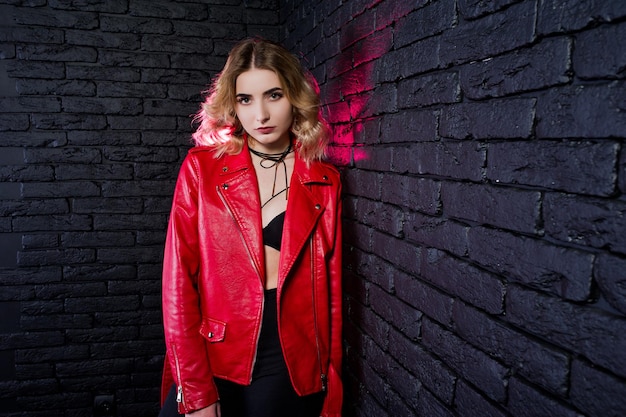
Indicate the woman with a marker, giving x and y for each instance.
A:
(252, 267)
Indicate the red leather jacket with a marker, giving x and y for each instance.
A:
(213, 279)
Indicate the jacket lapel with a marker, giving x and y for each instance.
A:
(239, 188)
(304, 207)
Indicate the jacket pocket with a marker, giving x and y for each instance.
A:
(213, 330)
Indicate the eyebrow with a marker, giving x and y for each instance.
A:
(265, 93)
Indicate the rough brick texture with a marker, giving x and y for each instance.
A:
(482, 146)
(94, 122)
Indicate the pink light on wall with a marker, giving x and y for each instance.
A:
(348, 92)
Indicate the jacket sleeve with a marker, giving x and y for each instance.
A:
(334, 396)
(186, 348)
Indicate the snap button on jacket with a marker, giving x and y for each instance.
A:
(214, 275)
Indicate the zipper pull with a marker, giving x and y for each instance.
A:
(324, 382)
(179, 395)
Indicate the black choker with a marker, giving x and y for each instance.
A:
(275, 158)
(269, 160)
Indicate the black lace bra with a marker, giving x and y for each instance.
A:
(273, 232)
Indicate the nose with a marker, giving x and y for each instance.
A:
(262, 114)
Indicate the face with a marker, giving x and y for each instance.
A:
(263, 110)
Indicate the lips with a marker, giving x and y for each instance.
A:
(265, 130)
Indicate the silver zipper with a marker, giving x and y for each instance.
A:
(256, 347)
(323, 377)
(179, 395)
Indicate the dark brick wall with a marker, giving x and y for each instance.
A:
(483, 147)
(95, 98)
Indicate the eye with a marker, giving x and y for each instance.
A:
(276, 95)
(243, 100)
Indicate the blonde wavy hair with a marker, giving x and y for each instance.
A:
(219, 126)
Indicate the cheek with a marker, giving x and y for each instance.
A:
(288, 113)
(242, 114)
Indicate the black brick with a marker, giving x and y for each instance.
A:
(105, 137)
(398, 252)
(586, 221)
(133, 59)
(104, 7)
(142, 122)
(34, 35)
(569, 15)
(542, 365)
(27, 104)
(100, 171)
(118, 41)
(55, 257)
(65, 189)
(169, 10)
(490, 35)
(64, 154)
(69, 121)
(120, 89)
(29, 139)
(56, 87)
(433, 19)
(435, 376)
(556, 269)
(470, 9)
(609, 274)
(496, 119)
(403, 63)
(524, 401)
(100, 105)
(468, 402)
(596, 392)
(405, 317)
(590, 62)
(583, 330)
(56, 53)
(582, 111)
(133, 205)
(430, 301)
(470, 363)
(52, 222)
(389, 218)
(57, 19)
(437, 232)
(22, 173)
(420, 194)
(460, 279)
(126, 24)
(454, 159)
(26, 69)
(544, 65)
(14, 122)
(409, 126)
(82, 72)
(501, 207)
(428, 90)
(590, 167)
(374, 270)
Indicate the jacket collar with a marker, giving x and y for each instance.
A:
(305, 205)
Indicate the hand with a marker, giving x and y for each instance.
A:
(211, 411)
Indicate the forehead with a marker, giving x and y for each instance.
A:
(256, 81)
